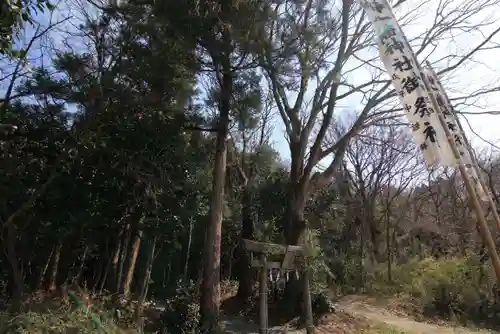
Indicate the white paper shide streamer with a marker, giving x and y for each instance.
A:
(402, 66)
(446, 109)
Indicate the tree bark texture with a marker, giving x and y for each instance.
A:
(143, 286)
(55, 266)
(122, 258)
(210, 285)
(16, 274)
(134, 252)
(244, 267)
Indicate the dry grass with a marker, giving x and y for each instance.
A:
(58, 313)
(332, 323)
(343, 323)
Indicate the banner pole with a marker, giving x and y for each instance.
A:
(414, 89)
(474, 161)
(474, 198)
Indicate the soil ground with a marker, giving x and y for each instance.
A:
(354, 315)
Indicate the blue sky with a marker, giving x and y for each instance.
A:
(418, 16)
(483, 72)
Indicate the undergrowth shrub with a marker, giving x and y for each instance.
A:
(63, 320)
(454, 288)
(321, 303)
(182, 313)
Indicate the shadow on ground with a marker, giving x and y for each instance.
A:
(243, 318)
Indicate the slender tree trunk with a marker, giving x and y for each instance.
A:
(105, 275)
(133, 259)
(17, 276)
(143, 287)
(361, 281)
(244, 267)
(188, 249)
(43, 272)
(308, 314)
(164, 280)
(210, 285)
(102, 267)
(113, 265)
(98, 273)
(388, 236)
(394, 246)
(55, 267)
(122, 258)
(169, 271)
(76, 278)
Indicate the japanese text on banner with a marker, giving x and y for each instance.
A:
(402, 66)
(446, 109)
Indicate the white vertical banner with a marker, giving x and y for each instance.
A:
(446, 109)
(404, 70)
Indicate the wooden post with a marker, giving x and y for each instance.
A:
(269, 257)
(485, 231)
(263, 295)
(308, 303)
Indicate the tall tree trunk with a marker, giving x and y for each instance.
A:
(294, 226)
(133, 259)
(244, 267)
(17, 275)
(210, 285)
(295, 223)
(55, 267)
(188, 249)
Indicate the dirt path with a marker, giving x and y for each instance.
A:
(376, 314)
(360, 309)
(240, 326)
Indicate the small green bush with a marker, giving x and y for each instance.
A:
(182, 314)
(455, 288)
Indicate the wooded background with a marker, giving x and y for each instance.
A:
(145, 147)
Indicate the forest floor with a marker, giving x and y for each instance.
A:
(356, 314)
(361, 307)
(353, 315)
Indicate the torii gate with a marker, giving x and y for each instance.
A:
(268, 256)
